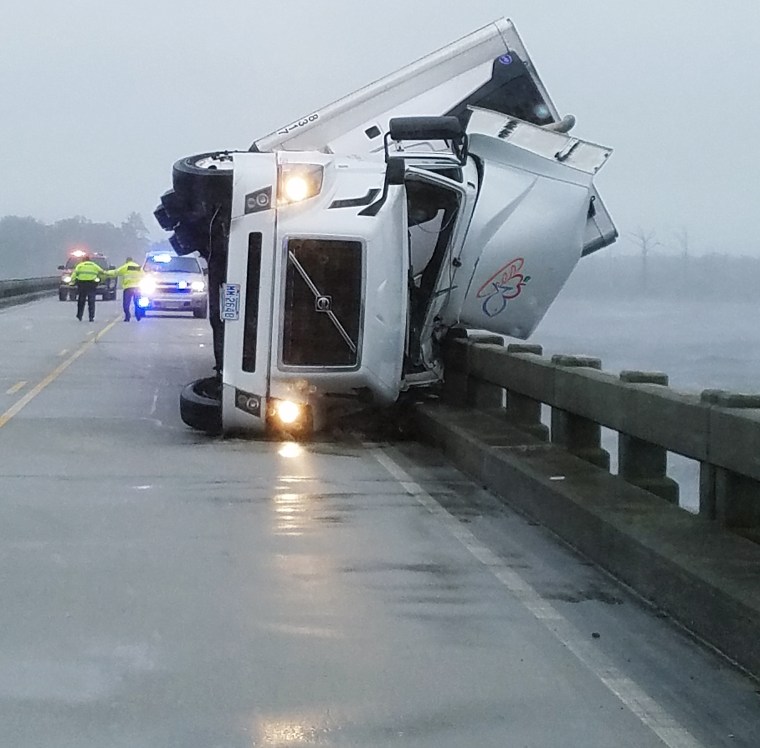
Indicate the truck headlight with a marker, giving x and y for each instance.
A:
(287, 412)
(147, 285)
(299, 182)
(198, 286)
(288, 417)
(66, 279)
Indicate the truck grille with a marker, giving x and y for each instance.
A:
(323, 303)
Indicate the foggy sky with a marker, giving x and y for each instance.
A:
(97, 100)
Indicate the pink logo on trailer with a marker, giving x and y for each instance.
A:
(504, 285)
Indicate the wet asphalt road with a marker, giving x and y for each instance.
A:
(163, 589)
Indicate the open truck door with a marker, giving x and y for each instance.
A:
(528, 229)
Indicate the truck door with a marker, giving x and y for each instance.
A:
(246, 298)
(439, 211)
(529, 225)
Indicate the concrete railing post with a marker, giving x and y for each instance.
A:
(733, 500)
(454, 389)
(480, 394)
(458, 386)
(639, 462)
(524, 411)
(577, 434)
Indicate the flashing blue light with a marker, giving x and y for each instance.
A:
(182, 284)
(143, 302)
(162, 258)
(506, 59)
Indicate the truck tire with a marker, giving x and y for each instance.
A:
(200, 183)
(63, 294)
(200, 405)
(200, 313)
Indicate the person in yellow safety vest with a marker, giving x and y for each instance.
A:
(86, 275)
(131, 274)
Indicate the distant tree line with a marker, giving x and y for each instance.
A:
(613, 275)
(32, 249)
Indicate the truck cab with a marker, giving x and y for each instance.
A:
(343, 247)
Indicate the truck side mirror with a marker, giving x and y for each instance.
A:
(61, 267)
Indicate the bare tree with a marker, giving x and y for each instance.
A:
(646, 241)
(682, 240)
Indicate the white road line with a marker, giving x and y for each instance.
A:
(64, 352)
(16, 387)
(155, 402)
(649, 712)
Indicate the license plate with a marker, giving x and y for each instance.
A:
(231, 301)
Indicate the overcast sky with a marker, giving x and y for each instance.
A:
(98, 99)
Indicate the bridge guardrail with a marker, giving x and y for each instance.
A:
(19, 291)
(704, 573)
(719, 429)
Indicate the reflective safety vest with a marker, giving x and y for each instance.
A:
(87, 270)
(130, 272)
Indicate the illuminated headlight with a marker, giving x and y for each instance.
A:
(147, 285)
(143, 302)
(198, 286)
(299, 182)
(66, 279)
(287, 412)
(286, 417)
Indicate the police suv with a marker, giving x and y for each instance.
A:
(173, 284)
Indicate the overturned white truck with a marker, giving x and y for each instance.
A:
(343, 247)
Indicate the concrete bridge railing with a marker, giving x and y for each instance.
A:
(721, 430)
(22, 290)
(703, 570)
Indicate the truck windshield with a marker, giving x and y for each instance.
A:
(173, 265)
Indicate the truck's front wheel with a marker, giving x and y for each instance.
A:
(200, 405)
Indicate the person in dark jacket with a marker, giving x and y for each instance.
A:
(86, 276)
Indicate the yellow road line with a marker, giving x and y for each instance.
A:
(16, 387)
(26, 399)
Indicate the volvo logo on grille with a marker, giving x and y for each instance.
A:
(323, 303)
